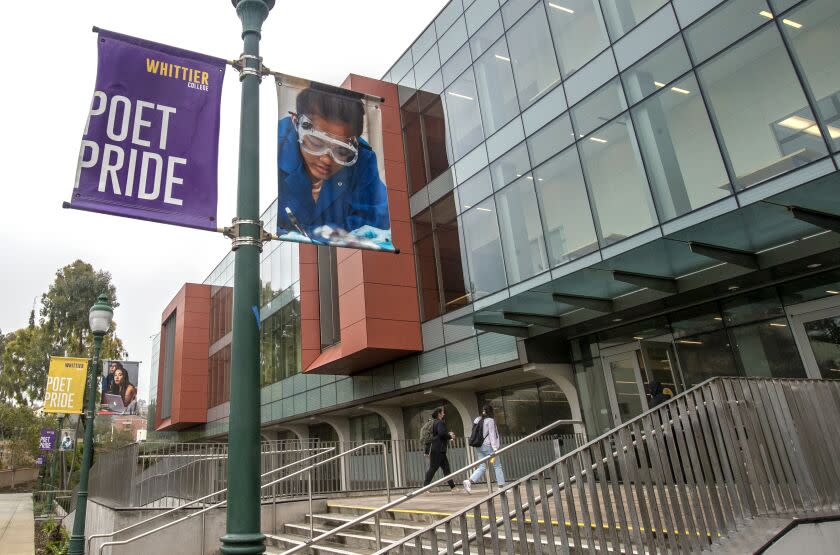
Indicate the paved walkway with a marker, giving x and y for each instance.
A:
(17, 525)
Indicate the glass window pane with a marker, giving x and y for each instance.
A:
(767, 350)
(657, 69)
(824, 340)
(567, 218)
(680, 151)
(617, 180)
(474, 190)
(496, 91)
(522, 237)
(453, 266)
(623, 15)
(427, 65)
(427, 278)
(484, 249)
(402, 66)
(578, 31)
(760, 109)
(810, 288)
(589, 378)
(415, 160)
(598, 108)
(463, 115)
(812, 30)
(514, 9)
(425, 41)
(456, 64)
(434, 134)
(534, 64)
(486, 36)
(447, 15)
(479, 12)
(452, 40)
(704, 356)
(725, 25)
(510, 166)
(757, 305)
(696, 320)
(551, 139)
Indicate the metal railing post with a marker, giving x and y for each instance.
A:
(387, 474)
(311, 513)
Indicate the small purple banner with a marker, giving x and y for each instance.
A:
(151, 142)
(47, 441)
(39, 460)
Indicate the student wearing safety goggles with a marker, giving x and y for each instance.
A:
(329, 182)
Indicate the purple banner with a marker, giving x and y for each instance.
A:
(47, 441)
(151, 142)
(40, 459)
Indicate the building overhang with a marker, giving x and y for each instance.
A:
(758, 237)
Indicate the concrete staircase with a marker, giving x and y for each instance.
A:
(396, 524)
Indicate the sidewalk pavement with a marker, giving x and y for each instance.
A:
(17, 524)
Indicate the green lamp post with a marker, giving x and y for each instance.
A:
(243, 535)
(100, 318)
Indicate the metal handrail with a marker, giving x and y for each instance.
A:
(648, 432)
(321, 452)
(375, 513)
(308, 470)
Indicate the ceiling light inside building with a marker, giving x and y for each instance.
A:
(503, 58)
(689, 342)
(483, 209)
(778, 325)
(458, 95)
(766, 14)
(808, 126)
(679, 90)
(832, 292)
(792, 23)
(561, 8)
(597, 140)
(814, 265)
(658, 84)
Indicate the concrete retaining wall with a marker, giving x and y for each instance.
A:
(10, 478)
(195, 536)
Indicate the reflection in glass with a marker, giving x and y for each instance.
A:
(651, 73)
(617, 181)
(534, 64)
(496, 91)
(812, 32)
(453, 265)
(623, 15)
(767, 350)
(589, 378)
(567, 219)
(704, 356)
(484, 249)
(486, 36)
(463, 115)
(512, 165)
(762, 304)
(578, 31)
(680, 151)
(519, 223)
(824, 338)
(598, 108)
(622, 372)
(759, 108)
(427, 277)
(724, 25)
(550, 140)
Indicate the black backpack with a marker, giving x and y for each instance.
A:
(477, 436)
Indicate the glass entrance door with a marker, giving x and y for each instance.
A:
(627, 394)
(816, 329)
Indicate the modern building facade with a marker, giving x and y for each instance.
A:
(589, 196)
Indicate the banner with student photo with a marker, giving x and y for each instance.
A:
(119, 386)
(331, 181)
(151, 141)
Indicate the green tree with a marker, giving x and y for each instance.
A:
(20, 429)
(63, 330)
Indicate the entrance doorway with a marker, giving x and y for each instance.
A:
(630, 368)
(816, 330)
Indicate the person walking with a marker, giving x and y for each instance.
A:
(490, 445)
(437, 450)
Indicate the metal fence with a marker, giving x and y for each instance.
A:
(675, 479)
(168, 475)
(51, 503)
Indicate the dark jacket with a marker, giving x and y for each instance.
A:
(352, 198)
(657, 396)
(441, 437)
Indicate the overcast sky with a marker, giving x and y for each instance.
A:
(47, 84)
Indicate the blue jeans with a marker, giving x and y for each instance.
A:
(482, 452)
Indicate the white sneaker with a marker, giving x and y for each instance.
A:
(467, 486)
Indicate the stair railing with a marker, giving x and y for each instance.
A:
(376, 513)
(308, 470)
(676, 478)
(320, 453)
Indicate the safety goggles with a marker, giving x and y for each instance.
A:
(317, 143)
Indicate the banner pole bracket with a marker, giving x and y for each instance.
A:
(241, 66)
(238, 240)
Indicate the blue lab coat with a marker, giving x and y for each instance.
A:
(355, 196)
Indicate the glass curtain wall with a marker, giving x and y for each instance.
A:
(522, 409)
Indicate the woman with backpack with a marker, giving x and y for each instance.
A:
(485, 439)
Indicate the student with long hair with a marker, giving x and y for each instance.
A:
(491, 444)
(121, 385)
